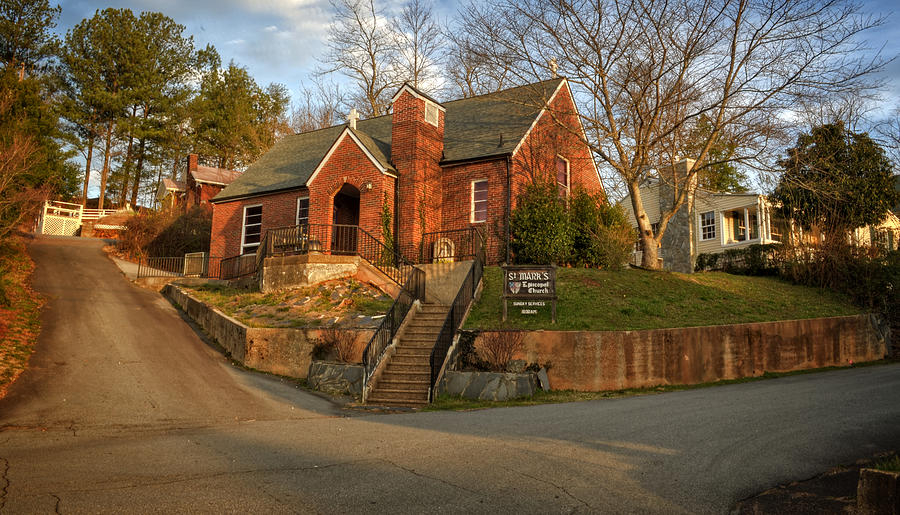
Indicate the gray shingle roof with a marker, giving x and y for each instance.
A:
(474, 128)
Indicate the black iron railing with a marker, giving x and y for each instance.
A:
(461, 303)
(347, 240)
(235, 267)
(413, 290)
(445, 246)
(184, 266)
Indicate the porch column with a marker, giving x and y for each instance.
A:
(746, 224)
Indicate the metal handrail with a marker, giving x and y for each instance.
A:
(413, 290)
(452, 245)
(335, 239)
(461, 303)
(235, 267)
(175, 267)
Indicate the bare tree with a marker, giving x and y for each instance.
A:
(417, 42)
(361, 47)
(475, 63)
(888, 132)
(319, 106)
(643, 72)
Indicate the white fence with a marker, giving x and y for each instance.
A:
(65, 218)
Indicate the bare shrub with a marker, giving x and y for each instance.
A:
(499, 347)
(168, 232)
(341, 341)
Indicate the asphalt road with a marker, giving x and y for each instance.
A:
(126, 409)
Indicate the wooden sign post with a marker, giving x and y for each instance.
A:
(529, 287)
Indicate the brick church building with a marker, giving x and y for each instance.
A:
(434, 166)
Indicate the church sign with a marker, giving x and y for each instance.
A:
(528, 288)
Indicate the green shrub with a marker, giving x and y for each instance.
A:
(540, 229)
(756, 260)
(587, 232)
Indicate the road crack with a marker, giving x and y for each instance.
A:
(554, 485)
(426, 476)
(56, 506)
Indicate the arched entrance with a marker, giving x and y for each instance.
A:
(345, 218)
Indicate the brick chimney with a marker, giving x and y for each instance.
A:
(417, 145)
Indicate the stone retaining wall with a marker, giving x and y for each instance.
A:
(305, 270)
(487, 386)
(284, 352)
(613, 360)
(336, 378)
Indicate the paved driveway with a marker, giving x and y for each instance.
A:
(125, 409)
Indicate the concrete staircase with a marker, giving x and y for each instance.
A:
(407, 375)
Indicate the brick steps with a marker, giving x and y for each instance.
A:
(407, 376)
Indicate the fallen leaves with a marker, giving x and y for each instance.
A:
(20, 317)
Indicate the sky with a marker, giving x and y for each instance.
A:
(278, 41)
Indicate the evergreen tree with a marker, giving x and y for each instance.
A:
(235, 121)
(836, 180)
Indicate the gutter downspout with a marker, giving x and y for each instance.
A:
(396, 218)
(508, 204)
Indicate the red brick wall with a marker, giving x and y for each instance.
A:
(536, 157)
(535, 160)
(279, 210)
(416, 149)
(348, 164)
(457, 198)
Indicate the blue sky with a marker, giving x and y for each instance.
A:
(276, 40)
(279, 40)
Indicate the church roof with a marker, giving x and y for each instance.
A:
(484, 126)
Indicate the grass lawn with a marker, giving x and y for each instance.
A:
(20, 310)
(346, 303)
(599, 300)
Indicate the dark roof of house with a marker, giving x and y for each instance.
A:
(474, 128)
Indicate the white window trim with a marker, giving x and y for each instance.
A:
(297, 217)
(700, 225)
(244, 228)
(568, 175)
(472, 201)
(729, 226)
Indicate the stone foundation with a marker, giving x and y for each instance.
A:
(336, 378)
(286, 352)
(279, 273)
(487, 386)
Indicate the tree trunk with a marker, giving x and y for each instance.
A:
(139, 168)
(650, 254)
(105, 173)
(87, 170)
(123, 196)
(650, 251)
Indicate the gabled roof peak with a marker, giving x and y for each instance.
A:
(417, 94)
